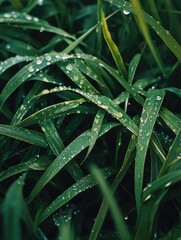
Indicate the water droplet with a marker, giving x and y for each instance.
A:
(28, 17)
(148, 197)
(158, 98)
(31, 69)
(45, 91)
(48, 57)
(7, 15)
(39, 61)
(126, 12)
(35, 19)
(69, 67)
(168, 184)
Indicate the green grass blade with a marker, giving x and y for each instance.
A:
(22, 20)
(149, 116)
(37, 163)
(51, 112)
(76, 76)
(80, 186)
(140, 17)
(171, 43)
(114, 208)
(96, 127)
(57, 146)
(113, 48)
(22, 134)
(104, 205)
(15, 210)
(174, 154)
(27, 104)
(5, 65)
(73, 149)
(172, 121)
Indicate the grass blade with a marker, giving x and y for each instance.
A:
(113, 48)
(81, 185)
(22, 134)
(74, 148)
(149, 116)
(115, 210)
(171, 43)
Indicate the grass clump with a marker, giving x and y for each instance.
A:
(90, 137)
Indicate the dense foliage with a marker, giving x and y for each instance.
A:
(90, 138)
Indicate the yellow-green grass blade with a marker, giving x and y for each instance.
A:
(118, 218)
(80, 186)
(171, 43)
(113, 47)
(22, 134)
(72, 150)
(148, 119)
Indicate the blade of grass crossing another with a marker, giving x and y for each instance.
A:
(98, 120)
(80, 186)
(148, 119)
(171, 43)
(137, 8)
(121, 227)
(174, 154)
(55, 142)
(104, 205)
(72, 150)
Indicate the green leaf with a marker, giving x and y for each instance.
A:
(174, 154)
(171, 43)
(29, 136)
(80, 186)
(37, 163)
(15, 210)
(117, 215)
(23, 20)
(72, 150)
(52, 112)
(148, 119)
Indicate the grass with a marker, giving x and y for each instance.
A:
(90, 138)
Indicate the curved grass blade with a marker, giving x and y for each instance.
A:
(52, 112)
(171, 43)
(140, 17)
(15, 210)
(148, 119)
(80, 186)
(22, 20)
(105, 103)
(98, 120)
(172, 121)
(57, 146)
(22, 134)
(174, 154)
(104, 205)
(113, 48)
(28, 71)
(27, 104)
(76, 76)
(118, 218)
(36, 163)
(72, 150)
(12, 61)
